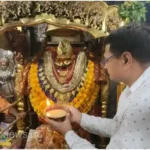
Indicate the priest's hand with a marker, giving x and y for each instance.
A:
(17, 114)
(61, 127)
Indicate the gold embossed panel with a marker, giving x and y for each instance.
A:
(97, 18)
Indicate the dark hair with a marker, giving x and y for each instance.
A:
(131, 38)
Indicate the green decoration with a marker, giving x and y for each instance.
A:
(133, 12)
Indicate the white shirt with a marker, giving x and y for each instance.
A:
(130, 128)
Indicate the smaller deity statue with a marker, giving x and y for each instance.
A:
(7, 75)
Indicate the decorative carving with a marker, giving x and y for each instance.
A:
(96, 16)
(87, 16)
(79, 11)
(113, 20)
(40, 31)
(15, 10)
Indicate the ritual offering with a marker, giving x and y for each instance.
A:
(56, 112)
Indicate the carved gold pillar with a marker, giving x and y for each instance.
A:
(104, 98)
(19, 92)
(104, 88)
(120, 88)
(104, 102)
(20, 123)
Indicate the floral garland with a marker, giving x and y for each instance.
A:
(83, 101)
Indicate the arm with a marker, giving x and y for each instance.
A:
(13, 111)
(101, 126)
(97, 125)
(90, 123)
(75, 142)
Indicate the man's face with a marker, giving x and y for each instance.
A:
(114, 66)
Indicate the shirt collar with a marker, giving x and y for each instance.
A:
(140, 80)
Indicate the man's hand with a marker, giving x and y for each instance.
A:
(61, 127)
(75, 115)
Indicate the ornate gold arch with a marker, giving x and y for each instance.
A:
(97, 18)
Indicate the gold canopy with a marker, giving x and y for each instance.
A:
(96, 18)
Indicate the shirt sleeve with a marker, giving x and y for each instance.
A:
(97, 125)
(75, 142)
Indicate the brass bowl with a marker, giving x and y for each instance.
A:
(56, 114)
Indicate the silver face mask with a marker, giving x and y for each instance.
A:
(3, 64)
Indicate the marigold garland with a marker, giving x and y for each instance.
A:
(84, 100)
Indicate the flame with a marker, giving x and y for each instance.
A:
(122, 23)
(103, 27)
(48, 102)
(19, 28)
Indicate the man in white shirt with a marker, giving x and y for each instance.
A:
(127, 59)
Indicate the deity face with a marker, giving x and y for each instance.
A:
(3, 64)
(64, 62)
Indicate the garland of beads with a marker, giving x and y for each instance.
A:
(44, 83)
(83, 101)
